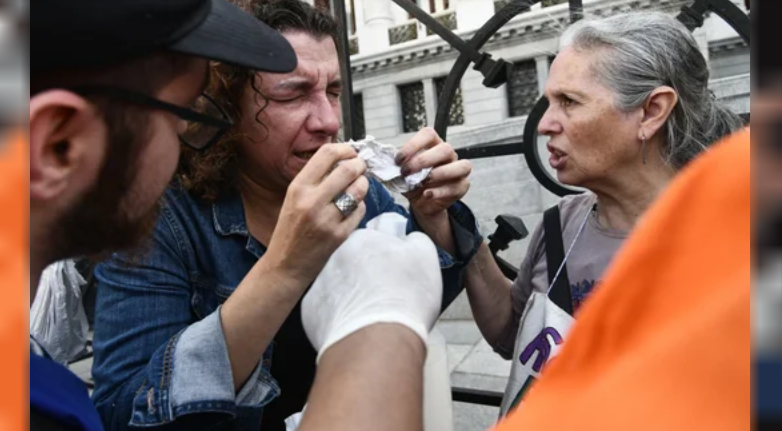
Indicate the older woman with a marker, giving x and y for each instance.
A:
(630, 107)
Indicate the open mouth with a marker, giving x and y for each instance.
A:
(557, 158)
(306, 155)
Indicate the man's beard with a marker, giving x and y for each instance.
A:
(98, 226)
(99, 223)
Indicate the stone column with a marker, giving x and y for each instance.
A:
(543, 67)
(373, 35)
(472, 14)
(430, 95)
(702, 37)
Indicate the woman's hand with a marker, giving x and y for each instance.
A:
(310, 226)
(447, 183)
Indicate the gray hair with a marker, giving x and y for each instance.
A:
(641, 51)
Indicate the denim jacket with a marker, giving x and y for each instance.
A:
(161, 359)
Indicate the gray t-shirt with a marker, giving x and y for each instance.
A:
(591, 255)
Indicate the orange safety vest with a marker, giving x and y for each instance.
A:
(14, 280)
(664, 343)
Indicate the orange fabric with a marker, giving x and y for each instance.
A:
(14, 273)
(664, 344)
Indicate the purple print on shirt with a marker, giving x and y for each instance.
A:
(580, 291)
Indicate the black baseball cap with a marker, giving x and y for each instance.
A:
(73, 34)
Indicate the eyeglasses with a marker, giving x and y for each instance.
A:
(206, 121)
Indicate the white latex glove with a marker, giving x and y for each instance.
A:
(376, 276)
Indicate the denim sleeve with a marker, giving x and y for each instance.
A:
(466, 236)
(154, 367)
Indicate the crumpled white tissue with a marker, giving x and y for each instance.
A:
(381, 164)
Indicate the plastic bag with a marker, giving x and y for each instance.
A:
(57, 318)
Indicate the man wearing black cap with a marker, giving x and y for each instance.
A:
(115, 86)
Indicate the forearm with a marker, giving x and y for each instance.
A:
(254, 313)
(490, 295)
(371, 380)
(438, 228)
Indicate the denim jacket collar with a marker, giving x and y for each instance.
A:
(228, 216)
(229, 219)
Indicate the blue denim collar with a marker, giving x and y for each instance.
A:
(228, 216)
(229, 219)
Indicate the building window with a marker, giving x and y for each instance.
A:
(409, 15)
(359, 126)
(403, 33)
(412, 29)
(431, 6)
(447, 19)
(352, 15)
(439, 5)
(456, 113)
(353, 46)
(413, 106)
(523, 92)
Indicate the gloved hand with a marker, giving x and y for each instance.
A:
(376, 276)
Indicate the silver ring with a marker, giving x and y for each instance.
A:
(346, 204)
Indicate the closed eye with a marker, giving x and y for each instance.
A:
(284, 99)
(335, 88)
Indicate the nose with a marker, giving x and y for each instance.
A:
(549, 125)
(324, 118)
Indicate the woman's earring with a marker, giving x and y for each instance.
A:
(643, 149)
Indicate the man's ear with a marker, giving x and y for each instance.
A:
(67, 143)
(657, 110)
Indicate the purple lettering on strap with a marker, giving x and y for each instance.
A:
(542, 346)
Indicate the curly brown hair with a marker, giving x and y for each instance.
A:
(211, 173)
